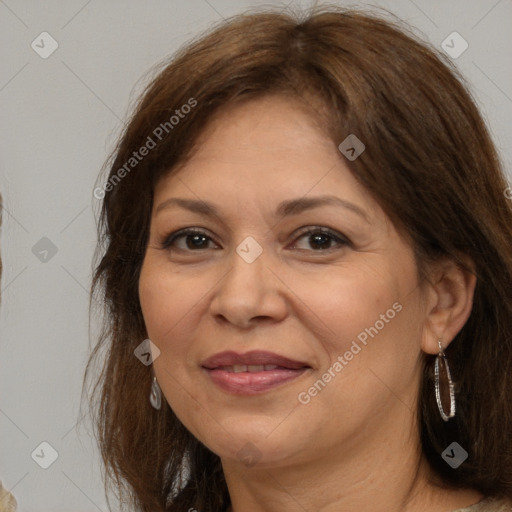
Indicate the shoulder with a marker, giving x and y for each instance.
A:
(489, 505)
(7, 501)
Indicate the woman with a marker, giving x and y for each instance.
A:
(307, 268)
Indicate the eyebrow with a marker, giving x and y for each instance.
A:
(284, 209)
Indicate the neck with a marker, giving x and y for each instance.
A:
(379, 473)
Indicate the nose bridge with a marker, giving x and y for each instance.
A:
(249, 289)
(249, 250)
(246, 277)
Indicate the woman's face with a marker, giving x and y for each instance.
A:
(328, 284)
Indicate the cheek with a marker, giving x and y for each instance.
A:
(345, 301)
(369, 315)
(166, 299)
(373, 327)
(171, 303)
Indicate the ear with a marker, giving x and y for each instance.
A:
(449, 300)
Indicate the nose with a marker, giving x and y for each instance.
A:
(250, 293)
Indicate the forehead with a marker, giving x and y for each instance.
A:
(270, 122)
(262, 146)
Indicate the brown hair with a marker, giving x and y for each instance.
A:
(429, 162)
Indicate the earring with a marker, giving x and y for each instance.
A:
(155, 396)
(442, 357)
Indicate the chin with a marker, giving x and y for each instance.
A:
(254, 444)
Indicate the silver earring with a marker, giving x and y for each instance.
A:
(442, 357)
(155, 396)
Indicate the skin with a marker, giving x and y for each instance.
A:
(355, 445)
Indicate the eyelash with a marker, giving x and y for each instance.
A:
(167, 241)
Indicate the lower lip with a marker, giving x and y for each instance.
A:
(252, 383)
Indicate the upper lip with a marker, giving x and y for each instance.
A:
(254, 357)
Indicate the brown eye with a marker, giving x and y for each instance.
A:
(321, 239)
(193, 240)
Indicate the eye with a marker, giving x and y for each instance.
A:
(318, 238)
(321, 239)
(194, 239)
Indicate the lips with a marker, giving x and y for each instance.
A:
(250, 361)
(251, 373)
(240, 368)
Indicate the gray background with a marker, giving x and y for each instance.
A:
(59, 119)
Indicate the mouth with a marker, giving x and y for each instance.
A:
(251, 373)
(252, 368)
(251, 361)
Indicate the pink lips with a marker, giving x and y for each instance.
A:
(253, 372)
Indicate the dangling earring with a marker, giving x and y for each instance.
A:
(155, 396)
(442, 356)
